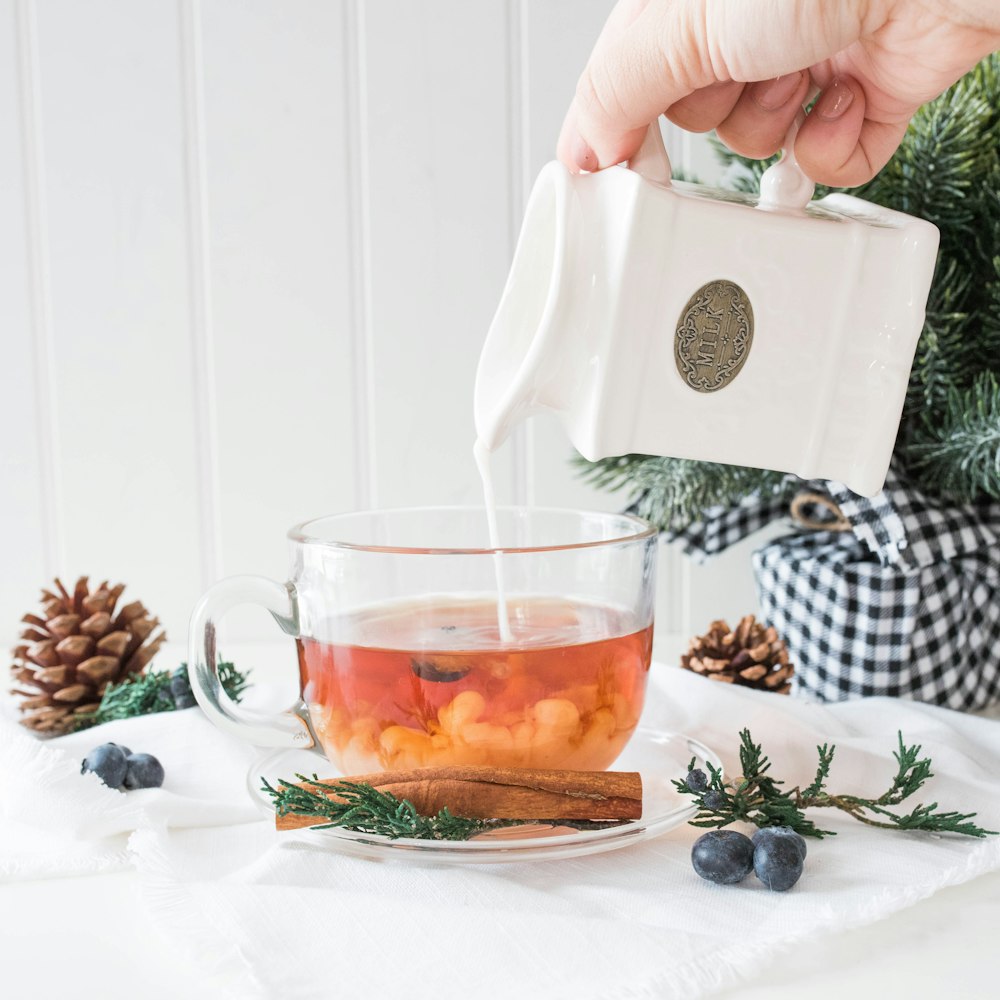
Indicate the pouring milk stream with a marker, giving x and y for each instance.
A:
(482, 456)
(660, 317)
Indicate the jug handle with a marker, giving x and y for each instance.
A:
(784, 185)
(651, 161)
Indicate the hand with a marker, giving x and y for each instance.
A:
(744, 67)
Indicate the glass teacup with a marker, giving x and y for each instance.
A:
(405, 658)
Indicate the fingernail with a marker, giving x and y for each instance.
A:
(582, 155)
(770, 95)
(834, 100)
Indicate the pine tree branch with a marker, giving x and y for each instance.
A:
(956, 454)
(670, 493)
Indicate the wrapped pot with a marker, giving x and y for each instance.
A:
(895, 595)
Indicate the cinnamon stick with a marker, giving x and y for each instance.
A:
(499, 793)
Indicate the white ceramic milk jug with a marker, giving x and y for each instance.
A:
(667, 318)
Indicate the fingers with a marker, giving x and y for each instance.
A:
(757, 124)
(629, 81)
(837, 145)
(573, 149)
(706, 108)
(655, 53)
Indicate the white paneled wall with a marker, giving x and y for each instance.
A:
(248, 253)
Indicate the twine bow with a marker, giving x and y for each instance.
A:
(804, 500)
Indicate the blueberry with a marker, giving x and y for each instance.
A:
(180, 683)
(180, 689)
(781, 831)
(124, 749)
(143, 771)
(777, 862)
(723, 856)
(445, 671)
(697, 780)
(713, 800)
(108, 762)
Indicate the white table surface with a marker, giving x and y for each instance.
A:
(90, 937)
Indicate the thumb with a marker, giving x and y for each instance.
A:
(666, 50)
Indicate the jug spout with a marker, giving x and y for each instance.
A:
(672, 319)
(516, 375)
(550, 344)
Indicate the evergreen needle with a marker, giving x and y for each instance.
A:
(149, 692)
(756, 797)
(368, 810)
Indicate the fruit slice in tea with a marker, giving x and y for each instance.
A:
(427, 683)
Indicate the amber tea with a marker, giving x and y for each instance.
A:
(431, 682)
(406, 657)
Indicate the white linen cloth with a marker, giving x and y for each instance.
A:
(281, 916)
(55, 821)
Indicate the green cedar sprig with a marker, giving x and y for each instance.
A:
(368, 810)
(149, 692)
(672, 492)
(756, 797)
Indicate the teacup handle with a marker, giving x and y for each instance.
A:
(286, 729)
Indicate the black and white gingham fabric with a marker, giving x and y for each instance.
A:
(725, 526)
(907, 604)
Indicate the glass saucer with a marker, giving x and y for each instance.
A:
(659, 757)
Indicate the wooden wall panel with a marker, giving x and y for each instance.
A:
(281, 330)
(113, 178)
(436, 120)
(29, 536)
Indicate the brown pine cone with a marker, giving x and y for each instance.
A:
(74, 649)
(750, 655)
